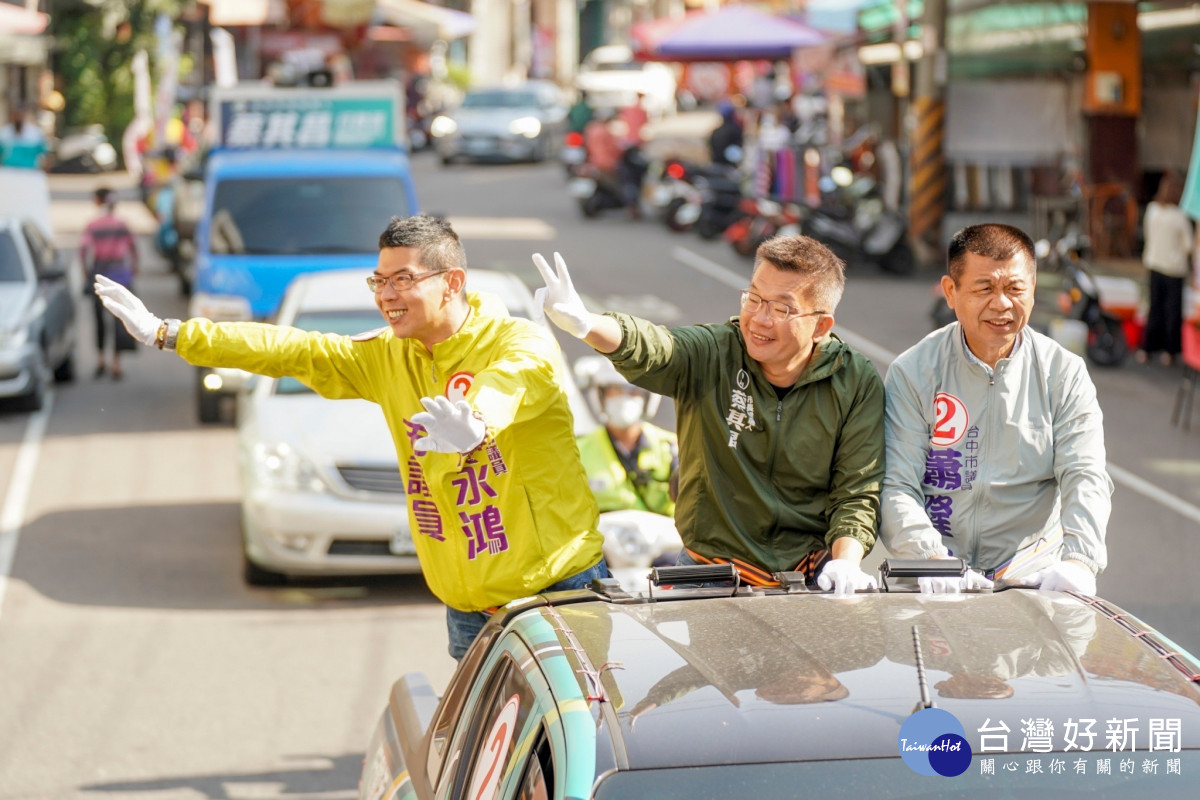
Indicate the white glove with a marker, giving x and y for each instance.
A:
(972, 580)
(124, 305)
(559, 300)
(844, 577)
(1067, 576)
(449, 427)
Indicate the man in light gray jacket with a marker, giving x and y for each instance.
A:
(995, 439)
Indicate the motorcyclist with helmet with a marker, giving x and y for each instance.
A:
(630, 463)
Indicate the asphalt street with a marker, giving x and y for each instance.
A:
(135, 664)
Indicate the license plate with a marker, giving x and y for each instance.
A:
(402, 543)
(582, 187)
(662, 195)
(481, 145)
(573, 155)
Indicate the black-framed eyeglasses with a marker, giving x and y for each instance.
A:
(400, 280)
(781, 312)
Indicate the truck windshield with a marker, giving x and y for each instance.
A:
(303, 216)
(500, 98)
(10, 261)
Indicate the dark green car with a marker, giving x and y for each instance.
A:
(742, 692)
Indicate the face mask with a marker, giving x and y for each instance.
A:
(624, 411)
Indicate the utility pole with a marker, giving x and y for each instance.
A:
(927, 188)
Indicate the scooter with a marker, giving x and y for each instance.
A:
(596, 191)
(721, 197)
(573, 153)
(86, 150)
(635, 541)
(862, 229)
(763, 218)
(1079, 299)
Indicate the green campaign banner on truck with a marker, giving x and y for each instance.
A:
(358, 115)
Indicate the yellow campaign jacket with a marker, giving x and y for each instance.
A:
(504, 522)
(615, 490)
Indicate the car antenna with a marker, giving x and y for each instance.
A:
(925, 701)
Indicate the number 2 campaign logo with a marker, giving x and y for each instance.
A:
(950, 420)
(933, 742)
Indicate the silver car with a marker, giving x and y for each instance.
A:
(322, 493)
(519, 123)
(37, 314)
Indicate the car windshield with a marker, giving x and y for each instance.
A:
(301, 216)
(10, 260)
(500, 98)
(345, 322)
(1096, 775)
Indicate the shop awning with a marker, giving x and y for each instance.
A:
(425, 19)
(15, 19)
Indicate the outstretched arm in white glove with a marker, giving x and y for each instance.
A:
(125, 306)
(1067, 576)
(449, 427)
(564, 307)
(972, 580)
(843, 573)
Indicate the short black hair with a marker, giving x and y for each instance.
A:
(104, 196)
(437, 242)
(826, 272)
(990, 240)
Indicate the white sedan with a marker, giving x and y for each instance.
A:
(322, 494)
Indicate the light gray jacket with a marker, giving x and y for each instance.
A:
(1007, 469)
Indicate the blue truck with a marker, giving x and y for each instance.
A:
(298, 180)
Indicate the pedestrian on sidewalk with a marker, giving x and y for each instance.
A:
(1169, 242)
(108, 248)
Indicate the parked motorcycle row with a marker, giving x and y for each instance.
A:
(850, 218)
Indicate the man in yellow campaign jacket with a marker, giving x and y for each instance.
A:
(498, 501)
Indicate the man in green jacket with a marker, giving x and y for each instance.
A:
(780, 422)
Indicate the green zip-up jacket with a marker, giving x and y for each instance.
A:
(763, 479)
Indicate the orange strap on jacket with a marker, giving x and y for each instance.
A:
(810, 565)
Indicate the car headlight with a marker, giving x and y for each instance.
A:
(279, 466)
(220, 307)
(12, 339)
(442, 126)
(529, 127)
(626, 545)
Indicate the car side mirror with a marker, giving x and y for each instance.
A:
(415, 703)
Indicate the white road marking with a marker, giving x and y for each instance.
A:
(1155, 493)
(504, 228)
(884, 356)
(12, 515)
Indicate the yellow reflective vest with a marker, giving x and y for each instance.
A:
(614, 487)
(497, 524)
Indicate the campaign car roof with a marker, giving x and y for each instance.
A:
(771, 677)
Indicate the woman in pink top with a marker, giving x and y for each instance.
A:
(108, 248)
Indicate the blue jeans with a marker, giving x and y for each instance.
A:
(464, 626)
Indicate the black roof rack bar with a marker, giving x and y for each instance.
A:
(698, 573)
(921, 568)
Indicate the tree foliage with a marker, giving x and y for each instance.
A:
(95, 42)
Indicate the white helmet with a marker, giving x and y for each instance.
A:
(595, 373)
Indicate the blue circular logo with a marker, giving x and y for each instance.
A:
(933, 742)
